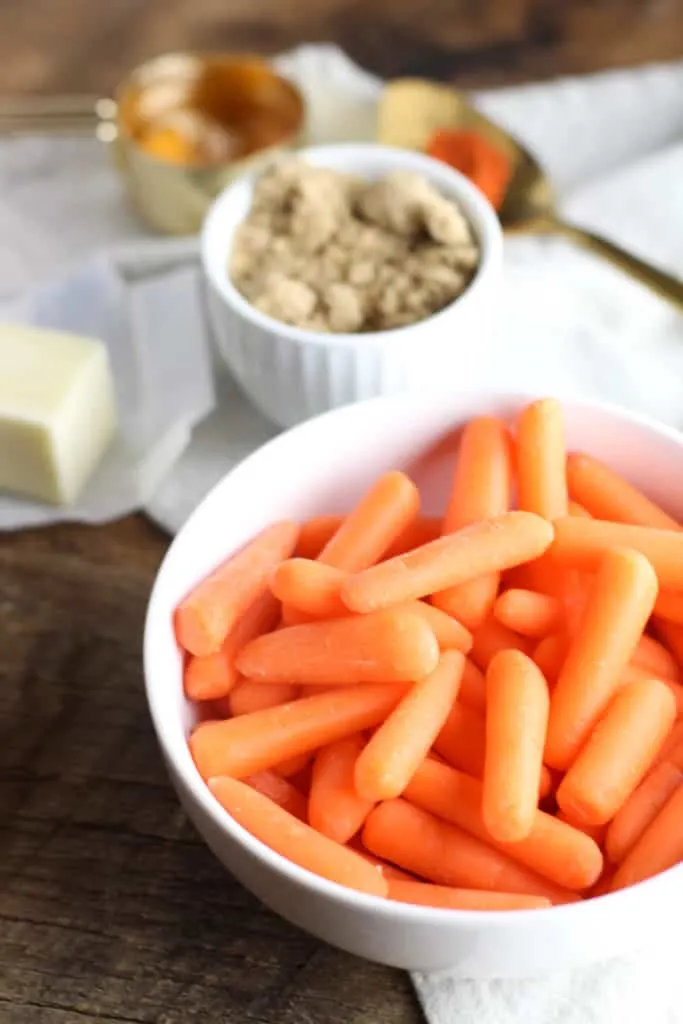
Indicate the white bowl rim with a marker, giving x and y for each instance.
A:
(279, 864)
(478, 211)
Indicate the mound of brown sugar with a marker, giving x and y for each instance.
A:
(326, 251)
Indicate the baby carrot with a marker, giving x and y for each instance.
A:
(386, 870)
(540, 464)
(672, 636)
(672, 745)
(395, 751)
(426, 895)
(487, 546)
(480, 489)
(596, 832)
(280, 791)
(493, 637)
(634, 674)
(640, 810)
(204, 618)
(607, 495)
(334, 806)
(473, 687)
(210, 676)
(391, 646)
(446, 855)
(310, 587)
(516, 718)
(248, 696)
(659, 847)
(292, 766)
(653, 657)
(669, 606)
(380, 517)
(256, 742)
(549, 655)
(528, 612)
(462, 740)
(315, 533)
(450, 634)
(582, 543)
(553, 849)
(421, 530)
(619, 606)
(294, 840)
(575, 509)
(603, 885)
(618, 753)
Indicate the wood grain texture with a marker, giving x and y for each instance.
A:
(111, 909)
(80, 45)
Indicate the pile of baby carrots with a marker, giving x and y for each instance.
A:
(474, 711)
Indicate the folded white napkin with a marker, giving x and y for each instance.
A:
(614, 146)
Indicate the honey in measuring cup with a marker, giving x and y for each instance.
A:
(198, 111)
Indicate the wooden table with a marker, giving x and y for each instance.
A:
(111, 909)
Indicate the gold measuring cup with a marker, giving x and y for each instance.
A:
(180, 126)
(411, 110)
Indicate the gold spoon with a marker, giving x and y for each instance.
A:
(411, 110)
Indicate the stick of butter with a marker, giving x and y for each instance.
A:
(57, 411)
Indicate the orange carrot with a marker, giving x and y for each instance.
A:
(619, 606)
(248, 696)
(553, 849)
(669, 606)
(484, 547)
(392, 646)
(309, 587)
(426, 895)
(517, 705)
(603, 885)
(549, 655)
(480, 489)
(395, 751)
(292, 766)
(450, 634)
(575, 509)
(659, 847)
(280, 791)
(640, 810)
(672, 745)
(582, 543)
(654, 658)
(421, 530)
(596, 832)
(211, 676)
(462, 740)
(446, 855)
(635, 674)
(619, 752)
(493, 637)
(386, 870)
(529, 613)
(380, 517)
(253, 743)
(672, 636)
(473, 687)
(294, 840)
(315, 533)
(471, 153)
(541, 477)
(334, 806)
(204, 618)
(607, 495)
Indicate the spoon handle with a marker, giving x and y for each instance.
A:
(665, 285)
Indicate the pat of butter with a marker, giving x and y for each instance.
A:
(57, 411)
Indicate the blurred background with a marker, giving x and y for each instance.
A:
(82, 45)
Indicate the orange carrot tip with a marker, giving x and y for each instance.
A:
(528, 612)
(540, 464)
(335, 808)
(280, 791)
(204, 618)
(294, 840)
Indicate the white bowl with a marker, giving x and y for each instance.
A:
(292, 374)
(323, 466)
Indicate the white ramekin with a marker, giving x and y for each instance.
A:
(292, 374)
(323, 466)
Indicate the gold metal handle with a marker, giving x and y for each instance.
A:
(57, 115)
(665, 285)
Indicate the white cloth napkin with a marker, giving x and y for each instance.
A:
(614, 146)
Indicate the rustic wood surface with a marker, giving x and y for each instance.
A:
(111, 909)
